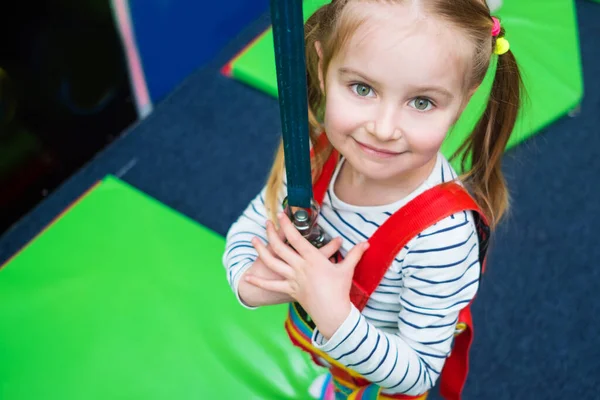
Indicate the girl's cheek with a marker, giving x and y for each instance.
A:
(340, 112)
(426, 134)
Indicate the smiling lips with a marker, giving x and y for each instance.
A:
(376, 151)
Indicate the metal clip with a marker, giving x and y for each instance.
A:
(305, 221)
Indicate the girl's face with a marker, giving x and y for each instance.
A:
(395, 90)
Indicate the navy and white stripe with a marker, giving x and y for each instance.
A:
(404, 334)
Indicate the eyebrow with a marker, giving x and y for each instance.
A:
(349, 71)
(425, 89)
(435, 89)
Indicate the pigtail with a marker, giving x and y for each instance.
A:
(486, 145)
(313, 30)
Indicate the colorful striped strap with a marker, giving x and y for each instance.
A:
(347, 384)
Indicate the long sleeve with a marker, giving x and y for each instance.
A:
(440, 276)
(239, 253)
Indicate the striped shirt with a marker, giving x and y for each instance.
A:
(404, 334)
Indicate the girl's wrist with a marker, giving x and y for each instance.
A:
(254, 297)
(329, 319)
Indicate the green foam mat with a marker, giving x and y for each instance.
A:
(124, 298)
(543, 35)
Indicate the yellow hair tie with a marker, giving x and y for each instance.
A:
(502, 46)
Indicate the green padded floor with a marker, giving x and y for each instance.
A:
(123, 298)
(543, 35)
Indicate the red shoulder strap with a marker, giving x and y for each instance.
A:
(425, 210)
(422, 212)
(455, 371)
(321, 185)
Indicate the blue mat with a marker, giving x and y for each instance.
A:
(206, 152)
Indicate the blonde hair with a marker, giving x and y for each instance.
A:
(332, 27)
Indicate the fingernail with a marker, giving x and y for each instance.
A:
(366, 245)
(280, 215)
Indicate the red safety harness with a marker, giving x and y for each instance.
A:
(422, 212)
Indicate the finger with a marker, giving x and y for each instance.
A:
(331, 248)
(298, 242)
(355, 254)
(270, 285)
(279, 231)
(281, 249)
(272, 262)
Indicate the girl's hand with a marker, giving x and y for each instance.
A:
(308, 276)
(255, 296)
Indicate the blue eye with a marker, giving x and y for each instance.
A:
(421, 104)
(361, 89)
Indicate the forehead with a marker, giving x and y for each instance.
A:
(402, 44)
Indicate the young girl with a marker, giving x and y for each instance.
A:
(387, 81)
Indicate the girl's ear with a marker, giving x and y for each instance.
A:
(319, 50)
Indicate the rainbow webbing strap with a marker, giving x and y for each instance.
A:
(300, 332)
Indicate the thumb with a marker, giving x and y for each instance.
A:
(355, 254)
(331, 248)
